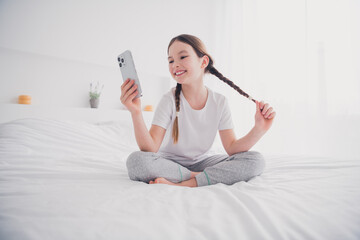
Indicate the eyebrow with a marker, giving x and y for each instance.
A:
(183, 51)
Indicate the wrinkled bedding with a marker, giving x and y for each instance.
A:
(68, 180)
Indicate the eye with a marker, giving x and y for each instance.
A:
(183, 57)
(171, 61)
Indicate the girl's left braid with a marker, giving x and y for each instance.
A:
(215, 72)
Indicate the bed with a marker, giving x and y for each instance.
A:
(67, 179)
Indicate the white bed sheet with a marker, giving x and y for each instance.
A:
(68, 180)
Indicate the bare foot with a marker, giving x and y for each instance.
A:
(188, 183)
(163, 181)
(193, 174)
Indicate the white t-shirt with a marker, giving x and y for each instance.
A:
(197, 128)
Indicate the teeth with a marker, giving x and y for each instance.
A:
(178, 73)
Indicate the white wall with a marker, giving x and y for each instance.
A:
(52, 50)
(300, 56)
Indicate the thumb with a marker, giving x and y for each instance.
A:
(257, 106)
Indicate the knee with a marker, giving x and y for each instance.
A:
(255, 160)
(136, 159)
(137, 163)
(259, 160)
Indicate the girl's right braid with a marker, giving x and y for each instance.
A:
(175, 130)
(177, 97)
(215, 72)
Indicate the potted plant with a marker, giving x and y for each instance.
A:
(95, 95)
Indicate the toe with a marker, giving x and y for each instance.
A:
(159, 180)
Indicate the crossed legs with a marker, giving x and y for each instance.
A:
(153, 169)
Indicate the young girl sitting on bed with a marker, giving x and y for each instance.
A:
(188, 118)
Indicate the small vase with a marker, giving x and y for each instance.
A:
(94, 102)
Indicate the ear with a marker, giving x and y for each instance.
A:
(205, 61)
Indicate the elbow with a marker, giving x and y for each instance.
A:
(230, 153)
(145, 149)
(233, 149)
(230, 149)
(153, 148)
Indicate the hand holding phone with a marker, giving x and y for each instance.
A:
(127, 98)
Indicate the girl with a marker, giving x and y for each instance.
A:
(175, 150)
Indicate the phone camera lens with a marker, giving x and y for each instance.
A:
(120, 64)
(122, 60)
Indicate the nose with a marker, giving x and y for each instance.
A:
(175, 66)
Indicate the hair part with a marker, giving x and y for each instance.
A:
(200, 51)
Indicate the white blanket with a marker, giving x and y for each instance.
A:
(68, 180)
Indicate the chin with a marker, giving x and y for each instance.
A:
(180, 81)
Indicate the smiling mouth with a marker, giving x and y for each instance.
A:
(179, 73)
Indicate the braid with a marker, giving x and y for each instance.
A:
(177, 96)
(175, 130)
(215, 72)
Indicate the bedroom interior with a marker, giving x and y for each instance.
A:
(63, 164)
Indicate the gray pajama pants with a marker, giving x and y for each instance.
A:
(146, 166)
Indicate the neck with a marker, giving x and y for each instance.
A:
(196, 94)
(194, 91)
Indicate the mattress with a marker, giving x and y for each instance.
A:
(68, 180)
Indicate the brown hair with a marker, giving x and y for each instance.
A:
(200, 50)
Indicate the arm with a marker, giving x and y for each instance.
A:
(148, 141)
(263, 121)
(243, 144)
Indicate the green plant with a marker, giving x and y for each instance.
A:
(95, 93)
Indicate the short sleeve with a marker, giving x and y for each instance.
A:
(225, 119)
(163, 112)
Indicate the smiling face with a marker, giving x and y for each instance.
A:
(184, 65)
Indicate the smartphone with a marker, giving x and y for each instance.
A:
(127, 67)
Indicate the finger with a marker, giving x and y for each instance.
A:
(265, 108)
(122, 93)
(131, 96)
(124, 83)
(261, 105)
(128, 85)
(130, 91)
(257, 106)
(272, 115)
(268, 112)
(124, 87)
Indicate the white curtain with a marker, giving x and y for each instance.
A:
(303, 58)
